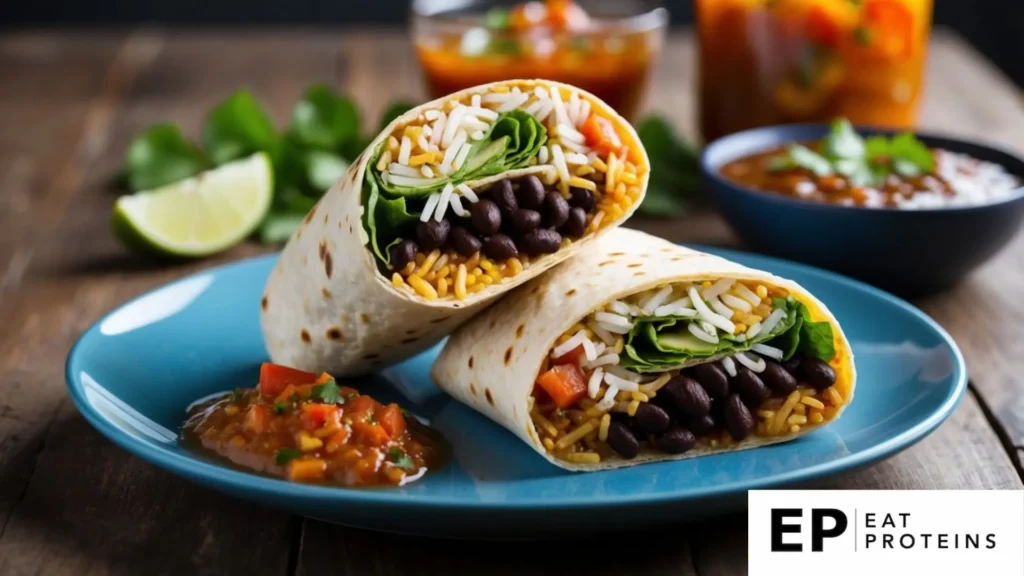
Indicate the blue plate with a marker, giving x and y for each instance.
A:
(134, 372)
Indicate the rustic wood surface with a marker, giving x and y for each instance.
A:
(73, 503)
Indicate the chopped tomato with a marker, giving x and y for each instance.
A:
(324, 378)
(601, 135)
(570, 357)
(347, 392)
(274, 378)
(297, 391)
(256, 419)
(564, 383)
(822, 27)
(891, 26)
(392, 420)
(360, 407)
(336, 441)
(317, 415)
(370, 434)
(307, 470)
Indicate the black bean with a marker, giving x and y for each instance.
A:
(530, 193)
(792, 365)
(750, 387)
(675, 441)
(542, 241)
(651, 418)
(702, 425)
(525, 220)
(403, 253)
(432, 234)
(556, 209)
(463, 241)
(713, 379)
(778, 379)
(485, 216)
(817, 373)
(688, 396)
(581, 198)
(738, 420)
(501, 194)
(576, 224)
(622, 440)
(499, 247)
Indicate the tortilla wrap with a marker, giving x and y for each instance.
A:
(327, 306)
(492, 362)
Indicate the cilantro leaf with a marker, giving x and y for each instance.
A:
(238, 127)
(876, 148)
(323, 119)
(400, 459)
(843, 142)
(675, 171)
(497, 18)
(280, 407)
(328, 393)
(286, 455)
(161, 156)
(808, 159)
(908, 149)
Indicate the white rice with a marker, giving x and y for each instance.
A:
(594, 384)
(754, 330)
(457, 208)
(467, 193)
(754, 364)
(428, 210)
(720, 308)
(601, 333)
(604, 360)
(709, 316)
(619, 307)
(729, 366)
(766, 350)
(717, 288)
(614, 381)
(606, 403)
(735, 303)
(773, 319)
(569, 345)
(443, 202)
(747, 294)
(711, 338)
(613, 322)
(656, 300)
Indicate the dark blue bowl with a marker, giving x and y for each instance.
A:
(910, 252)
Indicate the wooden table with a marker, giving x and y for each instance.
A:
(73, 503)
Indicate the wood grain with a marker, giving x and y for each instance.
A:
(71, 502)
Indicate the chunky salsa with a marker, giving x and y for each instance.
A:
(554, 40)
(308, 428)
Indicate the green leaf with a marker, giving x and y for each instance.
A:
(907, 148)
(394, 110)
(875, 147)
(400, 459)
(843, 141)
(161, 156)
(286, 455)
(328, 393)
(237, 395)
(280, 407)
(808, 159)
(322, 119)
(497, 18)
(238, 127)
(816, 337)
(674, 181)
(663, 202)
(277, 228)
(782, 163)
(323, 169)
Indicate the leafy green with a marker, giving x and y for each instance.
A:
(806, 336)
(843, 141)
(280, 407)
(328, 393)
(286, 455)
(238, 127)
(160, 156)
(325, 120)
(400, 459)
(675, 170)
(808, 159)
(497, 18)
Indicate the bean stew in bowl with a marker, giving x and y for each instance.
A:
(912, 213)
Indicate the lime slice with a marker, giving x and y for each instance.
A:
(201, 215)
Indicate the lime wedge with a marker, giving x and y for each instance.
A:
(199, 216)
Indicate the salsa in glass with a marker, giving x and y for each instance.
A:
(765, 62)
(308, 428)
(608, 54)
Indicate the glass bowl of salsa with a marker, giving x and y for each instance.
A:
(607, 48)
(765, 62)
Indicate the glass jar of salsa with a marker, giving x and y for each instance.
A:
(768, 62)
(608, 48)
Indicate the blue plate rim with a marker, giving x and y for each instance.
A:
(252, 484)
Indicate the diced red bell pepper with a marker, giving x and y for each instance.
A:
(369, 434)
(392, 420)
(274, 378)
(564, 383)
(360, 408)
(601, 135)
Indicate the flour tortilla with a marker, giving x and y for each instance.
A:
(326, 307)
(491, 363)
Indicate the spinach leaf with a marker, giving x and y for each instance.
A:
(322, 119)
(238, 127)
(286, 455)
(161, 156)
(394, 110)
(807, 337)
(674, 180)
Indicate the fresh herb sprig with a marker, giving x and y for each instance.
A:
(675, 169)
(865, 162)
(400, 459)
(328, 393)
(325, 136)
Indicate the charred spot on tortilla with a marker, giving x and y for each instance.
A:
(439, 320)
(472, 388)
(325, 218)
(305, 337)
(494, 322)
(409, 340)
(322, 249)
(536, 290)
(635, 265)
(616, 253)
(410, 331)
(334, 333)
(371, 356)
(508, 355)
(309, 217)
(470, 361)
(490, 399)
(640, 273)
(264, 302)
(605, 263)
(519, 330)
(678, 259)
(328, 264)
(571, 292)
(325, 292)
(349, 228)
(364, 318)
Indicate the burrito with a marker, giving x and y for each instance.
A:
(638, 350)
(452, 205)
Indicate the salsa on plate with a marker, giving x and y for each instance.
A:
(876, 172)
(554, 40)
(308, 428)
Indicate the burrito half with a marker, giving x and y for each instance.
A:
(454, 203)
(639, 350)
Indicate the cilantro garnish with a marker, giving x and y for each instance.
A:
(497, 18)
(866, 162)
(237, 395)
(400, 459)
(280, 407)
(286, 455)
(328, 393)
